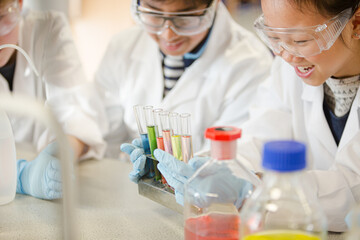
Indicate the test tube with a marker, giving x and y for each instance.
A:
(150, 125)
(175, 135)
(140, 120)
(158, 129)
(186, 139)
(159, 135)
(165, 125)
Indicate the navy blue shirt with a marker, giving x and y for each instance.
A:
(336, 124)
(8, 72)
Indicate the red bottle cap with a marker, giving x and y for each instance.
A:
(223, 133)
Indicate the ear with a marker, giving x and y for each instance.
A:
(356, 24)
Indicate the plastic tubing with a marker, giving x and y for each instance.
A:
(25, 106)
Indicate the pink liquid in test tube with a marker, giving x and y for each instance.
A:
(167, 141)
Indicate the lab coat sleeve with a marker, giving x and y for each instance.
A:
(255, 67)
(270, 119)
(73, 100)
(338, 188)
(254, 60)
(109, 80)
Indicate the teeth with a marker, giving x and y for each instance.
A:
(305, 69)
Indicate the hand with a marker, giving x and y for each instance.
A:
(177, 172)
(224, 185)
(137, 157)
(218, 182)
(41, 177)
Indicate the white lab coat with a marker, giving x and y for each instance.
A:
(216, 89)
(287, 108)
(46, 37)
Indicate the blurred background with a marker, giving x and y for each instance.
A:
(94, 22)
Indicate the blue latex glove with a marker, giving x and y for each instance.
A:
(40, 177)
(177, 172)
(137, 157)
(229, 187)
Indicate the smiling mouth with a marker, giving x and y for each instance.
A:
(305, 69)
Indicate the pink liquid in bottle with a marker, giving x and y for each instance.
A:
(214, 226)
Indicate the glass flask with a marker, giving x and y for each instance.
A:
(212, 198)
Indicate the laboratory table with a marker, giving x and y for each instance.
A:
(109, 207)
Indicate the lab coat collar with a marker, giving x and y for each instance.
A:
(317, 123)
(353, 122)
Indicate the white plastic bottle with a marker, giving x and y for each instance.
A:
(7, 161)
(281, 208)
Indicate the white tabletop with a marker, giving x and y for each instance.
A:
(109, 208)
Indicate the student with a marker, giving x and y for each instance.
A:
(186, 56)
(311, 96)
(46, 38)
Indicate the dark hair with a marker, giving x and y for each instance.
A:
(328, 8)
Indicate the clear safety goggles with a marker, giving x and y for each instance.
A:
(182, 23)
(303, 42)
(9, 17)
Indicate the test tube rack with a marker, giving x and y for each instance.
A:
(158, 192)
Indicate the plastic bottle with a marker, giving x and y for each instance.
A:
(7, 161)
(211, 202)
(281, 208)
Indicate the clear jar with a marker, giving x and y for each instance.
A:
(211, 199)
(281, 208)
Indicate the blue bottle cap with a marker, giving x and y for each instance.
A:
(284, 156)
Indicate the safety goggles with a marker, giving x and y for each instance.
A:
(9, 17)
(182, 23)
(303, 42)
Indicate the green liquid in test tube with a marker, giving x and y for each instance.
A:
(186, 139)
(150, 124)
(176, 135)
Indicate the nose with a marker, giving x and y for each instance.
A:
(168, 34)
(288, 57)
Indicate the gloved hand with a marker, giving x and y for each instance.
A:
(177, 172)
(223, 185)
(137, 157)
(41, 177)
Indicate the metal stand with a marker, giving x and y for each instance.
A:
(159, 193)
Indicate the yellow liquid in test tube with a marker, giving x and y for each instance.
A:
(282, 235)
(176, 146)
